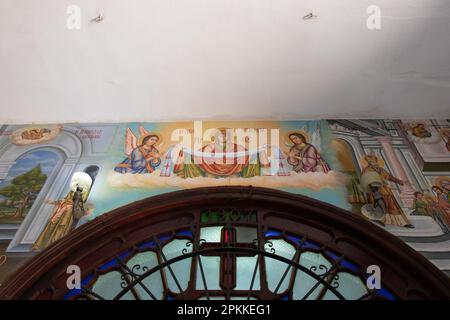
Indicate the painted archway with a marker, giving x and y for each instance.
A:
(228, 243)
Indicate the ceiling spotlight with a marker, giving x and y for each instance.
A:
(309, 16)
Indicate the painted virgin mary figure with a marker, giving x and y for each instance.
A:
(304, 157)
(143, 156)
(233, 157)
(375, 179)
(220, 158)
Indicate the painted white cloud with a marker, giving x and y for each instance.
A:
(311, 180)
(30, 156)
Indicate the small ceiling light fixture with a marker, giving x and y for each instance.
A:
(98, 18)
(309, 16)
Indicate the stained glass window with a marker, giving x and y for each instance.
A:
(227, 260)
(228, 243)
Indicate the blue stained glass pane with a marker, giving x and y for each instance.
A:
(297, 240)
(124, 255)
(109, 264)
(272, 233)
(383, 292)
(347, 264)
(152, 244)
(304, 244)
(310, 245)
(87, 279)
(114, 263)
(72, 293)
(146, 245)
(332, 255)
(75, 292)
(185, 233)
(164, 238)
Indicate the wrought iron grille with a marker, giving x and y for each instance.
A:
(129, 275)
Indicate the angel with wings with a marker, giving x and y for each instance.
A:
(143, 156)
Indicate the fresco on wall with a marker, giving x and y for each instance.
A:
(439, 202)
(35, 134)
(381, 204)
(24, 181)
(429, 142)
(394, 173)
(67, 212)
(153, 160)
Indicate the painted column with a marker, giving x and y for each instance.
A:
(407, 192)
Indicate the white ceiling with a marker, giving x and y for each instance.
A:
(224, 59)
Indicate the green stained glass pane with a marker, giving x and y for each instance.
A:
(275, 268)
(303, 283)
(349, 285)
(209, 216)
(244, 273)
(141, 263)
(181, 268)
(211, 269)
(211, 234)
(245, 234)
(109, 285)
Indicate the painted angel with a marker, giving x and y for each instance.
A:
(143, 156)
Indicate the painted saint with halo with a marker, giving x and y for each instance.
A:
(143, 153)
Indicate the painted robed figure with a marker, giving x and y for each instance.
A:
(143, 156)
(63, 218)
(304, 157)
(220, 158)
(379, 195)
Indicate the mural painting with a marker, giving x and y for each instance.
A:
(381, 204)
(67, 212)
(55, 178)
(25, 179)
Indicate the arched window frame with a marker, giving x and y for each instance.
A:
(406, 274)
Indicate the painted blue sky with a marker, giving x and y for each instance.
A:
(46, 159)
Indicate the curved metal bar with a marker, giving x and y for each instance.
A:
(228, 249)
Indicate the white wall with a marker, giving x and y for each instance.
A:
(225, 59)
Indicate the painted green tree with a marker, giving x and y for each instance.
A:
(24, 188)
